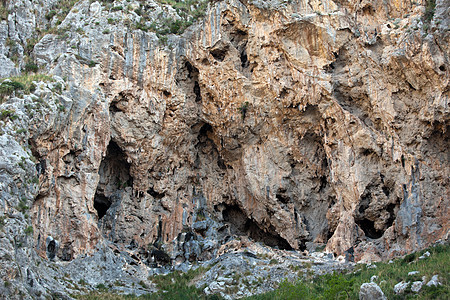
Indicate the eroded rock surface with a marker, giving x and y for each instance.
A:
(292, 123)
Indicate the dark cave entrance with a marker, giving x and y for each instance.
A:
(114, 175)
(240, 224)
(188, 79)
(101, 204)
(365, 220)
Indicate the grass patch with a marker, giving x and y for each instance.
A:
(3, 12)
(2, 222)
(28, 230)
(189, 11)
(346, 286)
(177, 285)
(429, 11)
(174, 286)
(23, 207)
(22, 83)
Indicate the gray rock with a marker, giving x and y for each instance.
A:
(416, 286)
(371, 291)
(400, 287)
(412, 273)
(425, 255)
(434, 281)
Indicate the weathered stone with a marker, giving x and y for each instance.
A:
(371, 291)
(434, 281)
(416, 286)
(281, 122)
(400, 287)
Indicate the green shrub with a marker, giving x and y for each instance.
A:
(243, 109)
(31, 67)
(117, 8)
(101, 287)
(22, 207)
(21, 130)
(273, 261)
(21, 83)
(9, 87)
(2, 222)
(5, 113)
(3, 12)
(29, 230)
(50, 14)
(429, 11)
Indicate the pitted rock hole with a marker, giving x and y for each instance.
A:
(240, 224)
(114, 174)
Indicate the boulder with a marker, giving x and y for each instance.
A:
(371, 291)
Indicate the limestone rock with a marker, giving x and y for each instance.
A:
(416, 286)
(371, 291)
(282, 122)
(400, 287)
(434, 281)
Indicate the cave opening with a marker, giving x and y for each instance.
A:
(366, 220)
(219, 54)
(369, 229)
(101, 204)
(188, 78)
(114, 173)
(282, 196)
(244, 58)
(240, 224)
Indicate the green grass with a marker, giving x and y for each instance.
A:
(177, 285)
(28, 230)
(429, 11)
(3, 12)
(2, 222)
(22, 83)
(7, 114)
(189, 11)
(346, 286)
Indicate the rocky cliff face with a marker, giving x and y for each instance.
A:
(293, 123)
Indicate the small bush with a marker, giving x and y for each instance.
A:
(50, 14)
(429, 11)
(273, 261)
(22, 207)
(101, 287)
(3, 12)
(8, 87)
(243, 109)
(58, 87)
(31, 67)
(2, 222)
(21, 130)
(21, 83)
(5, 113)
(29, 230)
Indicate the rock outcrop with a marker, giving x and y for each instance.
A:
(288, 122)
